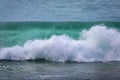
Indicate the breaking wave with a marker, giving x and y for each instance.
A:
(99, 43)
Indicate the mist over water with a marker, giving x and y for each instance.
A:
(99, 43)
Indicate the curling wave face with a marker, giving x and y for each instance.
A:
(96, 44)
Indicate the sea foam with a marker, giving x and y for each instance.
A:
(96, 44)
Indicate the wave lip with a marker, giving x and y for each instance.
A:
(96, 44)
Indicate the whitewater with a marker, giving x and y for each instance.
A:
(98, 43)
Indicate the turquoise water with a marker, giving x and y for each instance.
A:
(17, 33)
(59, 40)
(59, 50)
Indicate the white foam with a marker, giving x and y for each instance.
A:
(97, 44)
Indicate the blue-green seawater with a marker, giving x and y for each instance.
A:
(18, 33)
(59, 39)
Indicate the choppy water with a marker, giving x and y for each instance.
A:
(59, 39)
(60, 42)
(66, 42)
(42, 70)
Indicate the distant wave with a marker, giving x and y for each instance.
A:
(96, 44)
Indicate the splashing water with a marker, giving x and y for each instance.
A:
(96, 44)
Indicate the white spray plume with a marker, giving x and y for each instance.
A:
(96, 44)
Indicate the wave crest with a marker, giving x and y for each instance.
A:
(96, 44)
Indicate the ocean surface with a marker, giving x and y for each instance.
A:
(60, 10)
(59, 39)
(59, 50)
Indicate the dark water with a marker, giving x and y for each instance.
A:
(43, 70)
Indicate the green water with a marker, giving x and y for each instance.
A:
(67, 17)
(17, 33)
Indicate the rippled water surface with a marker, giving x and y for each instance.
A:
(60, 10)
(43, 70)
